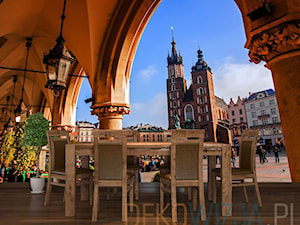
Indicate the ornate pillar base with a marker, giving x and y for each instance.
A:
(286, 72)
(110, 116)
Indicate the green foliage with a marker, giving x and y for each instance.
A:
(8, 149)
(14, 155)
(35, 130)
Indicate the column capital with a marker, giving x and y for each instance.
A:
(274, 42)
(104, 111)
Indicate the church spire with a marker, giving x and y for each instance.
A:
(200, 64)
(174, 51)
(174, 58)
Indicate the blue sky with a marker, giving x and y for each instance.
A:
(217, 28)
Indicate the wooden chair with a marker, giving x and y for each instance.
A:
(111, 167)
(186, 169)
(57, 139)
(245, 174)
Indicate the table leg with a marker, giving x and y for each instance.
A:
(226, 181)
(70, 180)
(210, 179)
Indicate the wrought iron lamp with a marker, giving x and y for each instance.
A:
(58, 62)
(21, 107)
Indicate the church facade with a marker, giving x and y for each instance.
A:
(193, 107)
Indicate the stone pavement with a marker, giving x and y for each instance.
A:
(267, 172)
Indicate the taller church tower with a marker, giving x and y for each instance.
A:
(176, 85)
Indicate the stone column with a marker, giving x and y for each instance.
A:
(110, 115)
(280, 48)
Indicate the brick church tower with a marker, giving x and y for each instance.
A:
(195, 106)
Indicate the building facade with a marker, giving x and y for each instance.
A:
(85, 130)
(263, 114)
(195, 107)
(237, 119)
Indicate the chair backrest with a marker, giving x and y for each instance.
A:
(186, 153)
(110, 154)
(57, 139)
(247, 158)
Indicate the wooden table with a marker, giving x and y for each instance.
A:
(151, 148)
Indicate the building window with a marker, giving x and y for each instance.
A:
(233, 120)
(178, 103)
(170, 104)
(203, 118)
(263, 112)
(207, 117)
(189, 113)
(198, 108)
(173, 87)
(147, 137)
(179, 112)
(273, 111)
(232, 113)
(171, 114)
(199, 80)
(267, 132)
(197, 101)
(275, 119)
(272, 102)
(255, 122)
(199, 118)
(252, 106)
(241, 119)
(241, 111)
(173, 80)
(205, 97)
(261, 104)
(144, 137)
(174, 104)
(206, 108)
(253, 114)
(174, 95)
(177, 94)
(81, 139)
(200, 91)
(175, 112)
(75, 138)
(153, 137)
(264, 121)
(201, 100)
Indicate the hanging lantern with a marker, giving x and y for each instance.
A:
(58, 63)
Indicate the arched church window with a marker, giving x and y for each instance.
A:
(189, 113)
(174, 104)
(173, 87)
(199, 80)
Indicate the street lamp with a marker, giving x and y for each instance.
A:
(58, 62)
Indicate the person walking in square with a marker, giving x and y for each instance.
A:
(233, 156)
(276, 152)
(261, 153)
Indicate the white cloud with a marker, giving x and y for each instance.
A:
(153, 112)
(147, 74)
(233, 79)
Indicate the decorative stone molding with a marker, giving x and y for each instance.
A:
(110, 111)
(274, 42)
